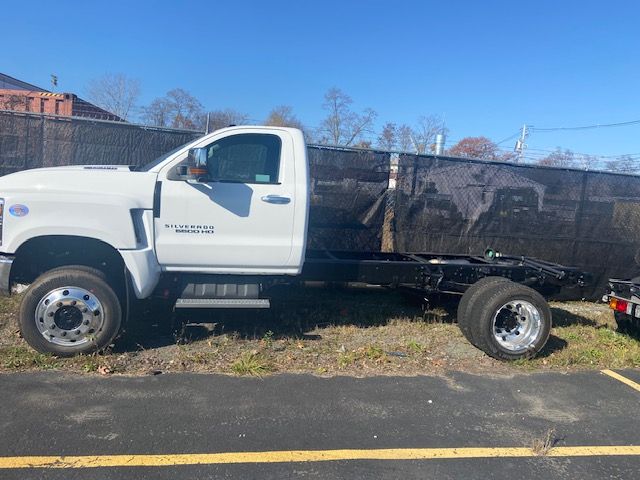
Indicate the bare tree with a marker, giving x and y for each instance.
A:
(559, 158)
(405, 138)
(388, 138)
(283, 116)
(159, 113)
(188, 109)
(623, 164)
(225, 118)
(421, 138)
(177, 109)
(115, 92)
(343, 126)
(425, 131)
(588, 162)
(362, 144)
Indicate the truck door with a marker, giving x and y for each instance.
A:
(240, 217)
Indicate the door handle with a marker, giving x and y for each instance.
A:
(276, 199)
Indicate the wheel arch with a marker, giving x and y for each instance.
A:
(40, 254)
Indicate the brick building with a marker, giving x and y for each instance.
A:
(20, 96)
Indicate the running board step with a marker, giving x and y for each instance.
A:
(223, 303)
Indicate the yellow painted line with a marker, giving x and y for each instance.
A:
(625, 380)
(289, 456)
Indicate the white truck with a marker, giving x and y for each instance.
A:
(215, 224)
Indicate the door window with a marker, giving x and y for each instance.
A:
(245, 158)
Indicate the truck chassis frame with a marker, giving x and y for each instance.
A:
(434, 272)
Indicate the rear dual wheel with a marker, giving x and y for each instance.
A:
(506, 320)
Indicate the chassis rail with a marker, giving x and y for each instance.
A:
(432, 272)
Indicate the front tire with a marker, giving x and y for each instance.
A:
(69, 311)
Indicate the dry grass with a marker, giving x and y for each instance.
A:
(333, 332)
(543, 445)
(585, 336)
(251, 363)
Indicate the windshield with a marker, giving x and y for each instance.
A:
(160, 159)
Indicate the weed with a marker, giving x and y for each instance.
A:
(373, 352)
(203, 358)
(17, 358)
(267, 339)
(542, 446)
(522, 362)
(90, 364)
(251, 363)
(347, 358)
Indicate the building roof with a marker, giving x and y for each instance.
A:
(10, 83)
(79, 107)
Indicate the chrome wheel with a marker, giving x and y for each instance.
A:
(69, 316)
(517, 325)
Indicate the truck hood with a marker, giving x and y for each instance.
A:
(119, 168)
(88, 201)
(89, 181)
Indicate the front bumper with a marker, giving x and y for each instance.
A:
(5, 271)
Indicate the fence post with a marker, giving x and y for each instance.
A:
(42, 142)
(388, 230)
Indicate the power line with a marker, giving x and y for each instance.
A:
(587, 127)
(532, 153)
(510, 137)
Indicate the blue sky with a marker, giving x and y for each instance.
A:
(486, 66)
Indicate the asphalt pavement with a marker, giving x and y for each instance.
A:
(174, 426)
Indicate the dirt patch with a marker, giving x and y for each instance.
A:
(330, 332)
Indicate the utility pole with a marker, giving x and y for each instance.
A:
(520, 145)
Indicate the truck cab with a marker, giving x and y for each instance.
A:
(233, 202)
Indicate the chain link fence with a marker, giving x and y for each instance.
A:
(35, 140)
(581, 218)
(358, 202)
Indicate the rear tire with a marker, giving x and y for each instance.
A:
(510, 321)
(69, 311)
(468, 301)
(625, 324)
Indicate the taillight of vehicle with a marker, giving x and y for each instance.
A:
(619, 305)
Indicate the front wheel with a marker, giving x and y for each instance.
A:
(69, 311)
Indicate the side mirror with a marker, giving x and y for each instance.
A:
(196, 168)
